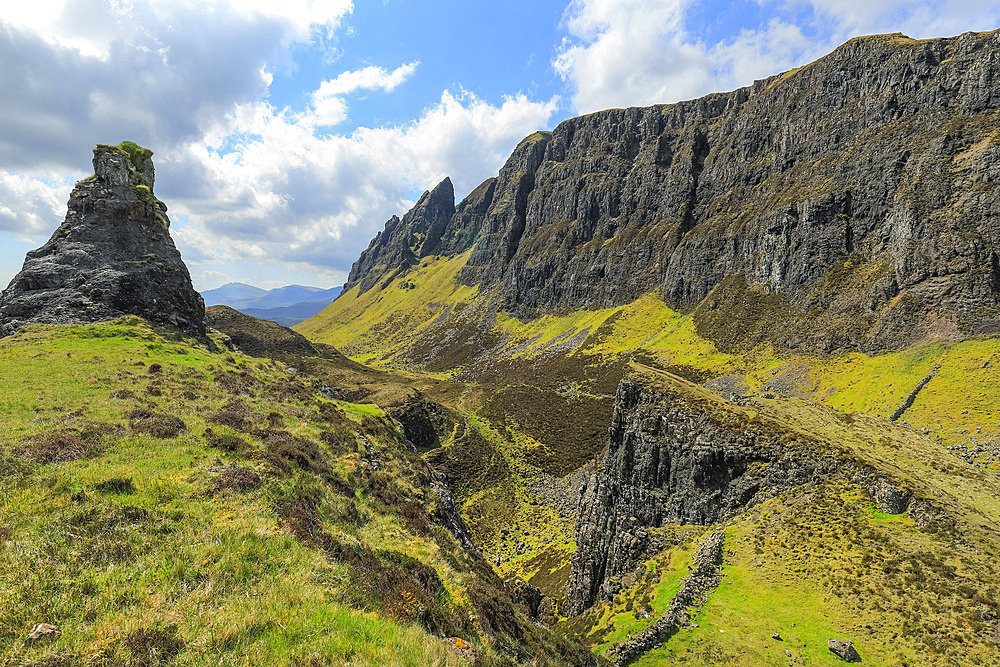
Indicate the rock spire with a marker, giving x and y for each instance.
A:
(111, 256)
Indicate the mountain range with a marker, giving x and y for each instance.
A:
(285, 305)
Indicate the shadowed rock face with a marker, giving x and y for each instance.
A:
(670, 462)
(853, 202)
(112, 256)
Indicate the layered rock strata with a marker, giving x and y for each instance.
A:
(112, 256)
(671, 461)
(850, 202)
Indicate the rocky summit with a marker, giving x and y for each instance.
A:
(112, 256)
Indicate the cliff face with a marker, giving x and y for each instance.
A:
(112, 256)
(671, 461)
(864, 180)
(400, 245)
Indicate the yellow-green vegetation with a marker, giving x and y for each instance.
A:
(135, 153)
(538, 380)
(970, 494)
(163, 500)
(382, 322)
(648, 598)
(958, 405)
(819, 563)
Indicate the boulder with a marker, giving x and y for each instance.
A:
(843, 649)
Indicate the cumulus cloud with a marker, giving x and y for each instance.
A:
(279, 192)
(80, 72)
(246, 180)
(28, 206)
(329, 106)
(369, 78)
(620, 53)
(915, 18)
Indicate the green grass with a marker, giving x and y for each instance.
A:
(817, 564)
(131, 543)
(821, 561)
(808, 582)
(381, 323)
(647, 600)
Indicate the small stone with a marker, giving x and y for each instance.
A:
(43, 632)
(843, 649)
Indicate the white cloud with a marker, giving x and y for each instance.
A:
(93, 27)
(329, 106)
(916, 18)
(369, 78)
(80, 72)
(30, 207)
(639, 52)
(281, 193)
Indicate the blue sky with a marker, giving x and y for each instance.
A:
(286, 133)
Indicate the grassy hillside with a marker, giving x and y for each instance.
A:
(822, 561)
(530, 389)
(166, 502)
(398, 325)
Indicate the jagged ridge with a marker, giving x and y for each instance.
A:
(849, 198)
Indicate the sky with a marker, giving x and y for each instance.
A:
(287, 132)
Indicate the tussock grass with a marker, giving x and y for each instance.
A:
(151, 531)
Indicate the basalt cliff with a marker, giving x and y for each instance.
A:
(783, 300)
(112, 256)
(849, 203)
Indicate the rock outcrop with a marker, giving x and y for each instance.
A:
(851, 202)
(424, 421)
(843, 649)
(402, 242)
(671, 460)
(112, 256)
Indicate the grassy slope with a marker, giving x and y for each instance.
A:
(957, 407)
(130, 541)
(379, 323)
(821, 561)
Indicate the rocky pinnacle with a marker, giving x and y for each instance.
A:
(111, 256)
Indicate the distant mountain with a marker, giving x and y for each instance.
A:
(286, 305)
(231, 293)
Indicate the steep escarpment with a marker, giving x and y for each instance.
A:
(843, 201)
(112, 256)
(673, 460)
